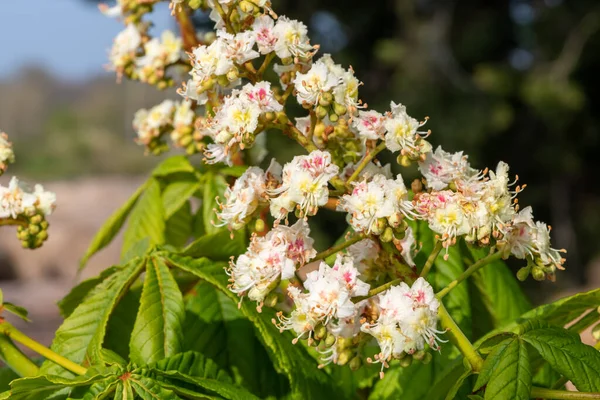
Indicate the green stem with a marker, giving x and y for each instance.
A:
(378, 290)
(12, 356)
(261, 70)
(470, 271)
(543, 393)
(324, 254)
(13, 333)
(10, 221)
(365, 161)
(458, 338)
(431, 259)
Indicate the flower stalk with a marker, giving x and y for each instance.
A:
(470, 271)
(12, 356)
(431, 259)
(13, 333)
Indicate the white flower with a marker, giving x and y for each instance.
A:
(184, 114)
(149, 124)
(160, 53)
(6, 152)
(369, 124)
(264, 34)
(407, 320)
(262, 95)
(377, 198)
(304, 184)
(45, 200)
(243, 198)
(315, 82)
(440, 168)
(239, 47)
(270, 259)
(209, 61)
(292, 39)
(14, 201)
(362, 252)
(402, 132)
(125, 45)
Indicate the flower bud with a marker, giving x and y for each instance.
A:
(387, 236)
(523, 273)
(416, 186)
(344, 357)
(333, 117)
(34, 229)
(339, 109)
(246, 7)
(232, 74)
(406, 362)
(319, 129)
(419, 355)
(271, 300)
(355, 363)
(326, 99)
(36, 219)
(426, 358)
(320, 332)
(329, 341)
(259, 225)
(321, 112)
(404, 161)
(538, 273)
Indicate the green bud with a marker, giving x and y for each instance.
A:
(401, 355)
(523, 273)
(419, 355)
(321, 112)
(259, 225)
(538, 273)
(319, 129)
(23, 234)
(25, 244)
(246, 7)
(271, 300)
(427, 358)
(326, 99)
(344, 357)
(222, 80)
(329, 340)
(406, 362)
(387, 236)
(344, 342)
(233, 74)
(355, 363)
(43, 235)
(162, 85)
(34, 229)
(186, 140)
(320, 332)
(339, 109)
(36, 219)
(404, 161)
(333, 117)
(270, 116)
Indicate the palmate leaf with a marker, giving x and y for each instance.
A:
(76, 296)
(218, 246)
(194, 364)
(43, 387)
(559, 312)
(566, 354)
(179, 226)
(149, 389)
(146, 220)
(120, 325)
(173, 165)
(19, 311)
(157, 331)
(493, 282)
(507, 372)
(124, 391)
(81, 335)
(111, 227)
(177, 193)
(215, 327)
(410, 383)
(305, 379)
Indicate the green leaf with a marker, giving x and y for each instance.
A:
(177, 193)
(179, 226)
(218, 246)
(149, 389)
(306, 381)
(459, 382)
(20, 312)
(122, 320)
(41, 387)
(147, 219)
(80, 337)
(511, 375)
(7, 375)
(235, 170)
(566, 354)
(157, 331)
(445, 380)
(111, 227)
(224, 389)
(101, 390)
(490, 343)
(490, 363)
(559, 312)
(124, 391)
(493, 282)
(193, 364)
(410, 383)
(214, 186)
(173, 165)
(216, 328)
(76, 296)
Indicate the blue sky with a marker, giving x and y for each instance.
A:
(68, 37)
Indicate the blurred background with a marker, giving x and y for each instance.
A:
(511, 80)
